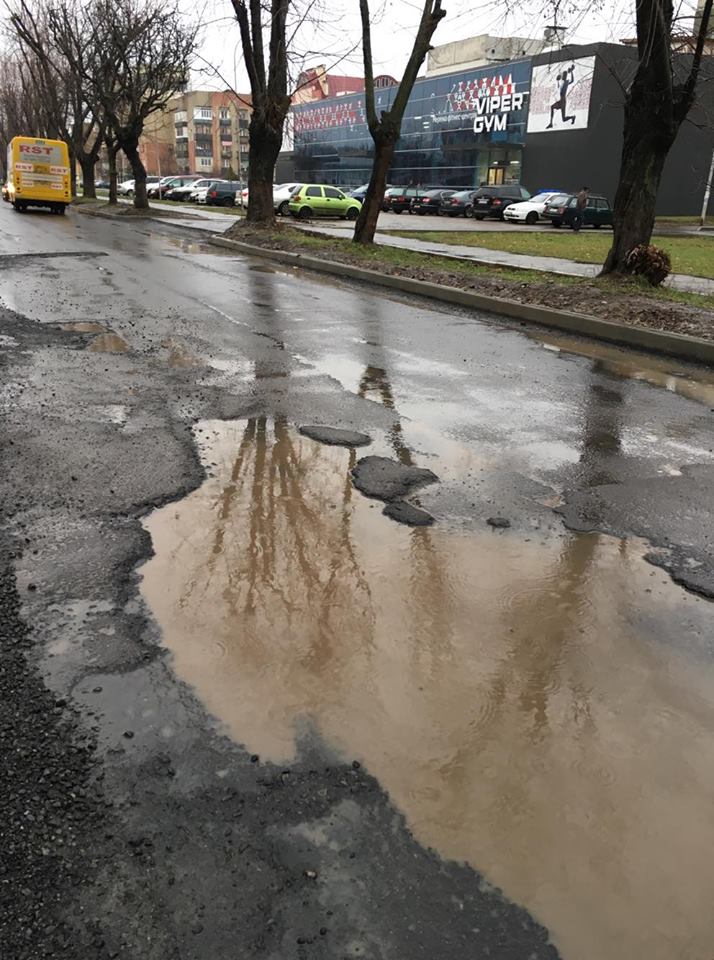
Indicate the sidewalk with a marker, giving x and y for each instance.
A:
(501, 258)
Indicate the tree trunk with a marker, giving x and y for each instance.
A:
(138, 170)
(87, 162)
(367, 220)
(644, 151)
(113, 178)
(72, 169)
(264, 145)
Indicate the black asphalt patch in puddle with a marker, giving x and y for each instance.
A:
(404, 512)
(386, 479)
(335, 436)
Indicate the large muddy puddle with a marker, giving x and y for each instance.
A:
(540, 708)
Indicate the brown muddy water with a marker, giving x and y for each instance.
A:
(523, 703)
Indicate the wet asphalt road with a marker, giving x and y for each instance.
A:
(288, 726)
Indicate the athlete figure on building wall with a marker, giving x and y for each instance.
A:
(564, 80)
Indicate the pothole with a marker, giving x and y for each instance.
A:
(529, 704)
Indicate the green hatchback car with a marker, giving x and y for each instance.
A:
(316, 200)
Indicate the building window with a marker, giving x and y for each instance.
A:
(180, 116)
(224, 114)
(182, 133)
(202, 113)
(205, 162)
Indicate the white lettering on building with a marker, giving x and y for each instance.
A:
(492, 112)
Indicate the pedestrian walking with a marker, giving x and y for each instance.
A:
(581, 202)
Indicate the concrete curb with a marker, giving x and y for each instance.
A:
(673, 344)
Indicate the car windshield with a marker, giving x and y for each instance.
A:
(558, 198)
(541, 198)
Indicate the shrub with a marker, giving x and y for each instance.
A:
(649, 262)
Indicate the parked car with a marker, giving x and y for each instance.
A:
(220, 193)
(457, 204)
(101, 184)
(388, 194)
(281, 197)
(491, 201)
(160, 188)
(399, 199)
(126, 189)
(242, 197)
(598, 212)
(318, 200)
(183, 191)
(430, 201)
(530, 211)
(359, 193)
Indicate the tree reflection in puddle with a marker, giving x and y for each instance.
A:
(520, 701)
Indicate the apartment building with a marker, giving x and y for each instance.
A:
(200, 131)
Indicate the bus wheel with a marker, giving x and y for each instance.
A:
(19, 206)
(62, 209)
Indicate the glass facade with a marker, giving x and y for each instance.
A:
(460, 129)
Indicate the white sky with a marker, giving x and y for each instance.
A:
(339, 31)
(393, 33)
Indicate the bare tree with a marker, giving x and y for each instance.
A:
(142, 58)
(386, 128)
(269, 95)
(52, 38)
(657, 103)
(22, 106)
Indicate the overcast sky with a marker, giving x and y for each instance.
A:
(339, 32)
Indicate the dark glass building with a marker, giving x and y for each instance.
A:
(553, 121)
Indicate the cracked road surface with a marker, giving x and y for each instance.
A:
(246, 714)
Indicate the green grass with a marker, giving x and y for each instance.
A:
(690, 255)
(376, 256)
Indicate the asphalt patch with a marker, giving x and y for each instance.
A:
(404, 512)
(50, 806)
(335, 436)
(386, 479)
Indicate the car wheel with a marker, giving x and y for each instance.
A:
(469, 212)
(479, 216)
(304, 213)
(396, 211)
(229, 202)
(597, 226)
(556, 223)
(130, 193)
(284, 209)
(352, 213)
(532, 218)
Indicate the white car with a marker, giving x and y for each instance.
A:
(281, 197)
(189, 191)
(529, 211)
(126, 188)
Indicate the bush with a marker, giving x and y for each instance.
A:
(649, 262)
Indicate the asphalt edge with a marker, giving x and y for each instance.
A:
(657, 341)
